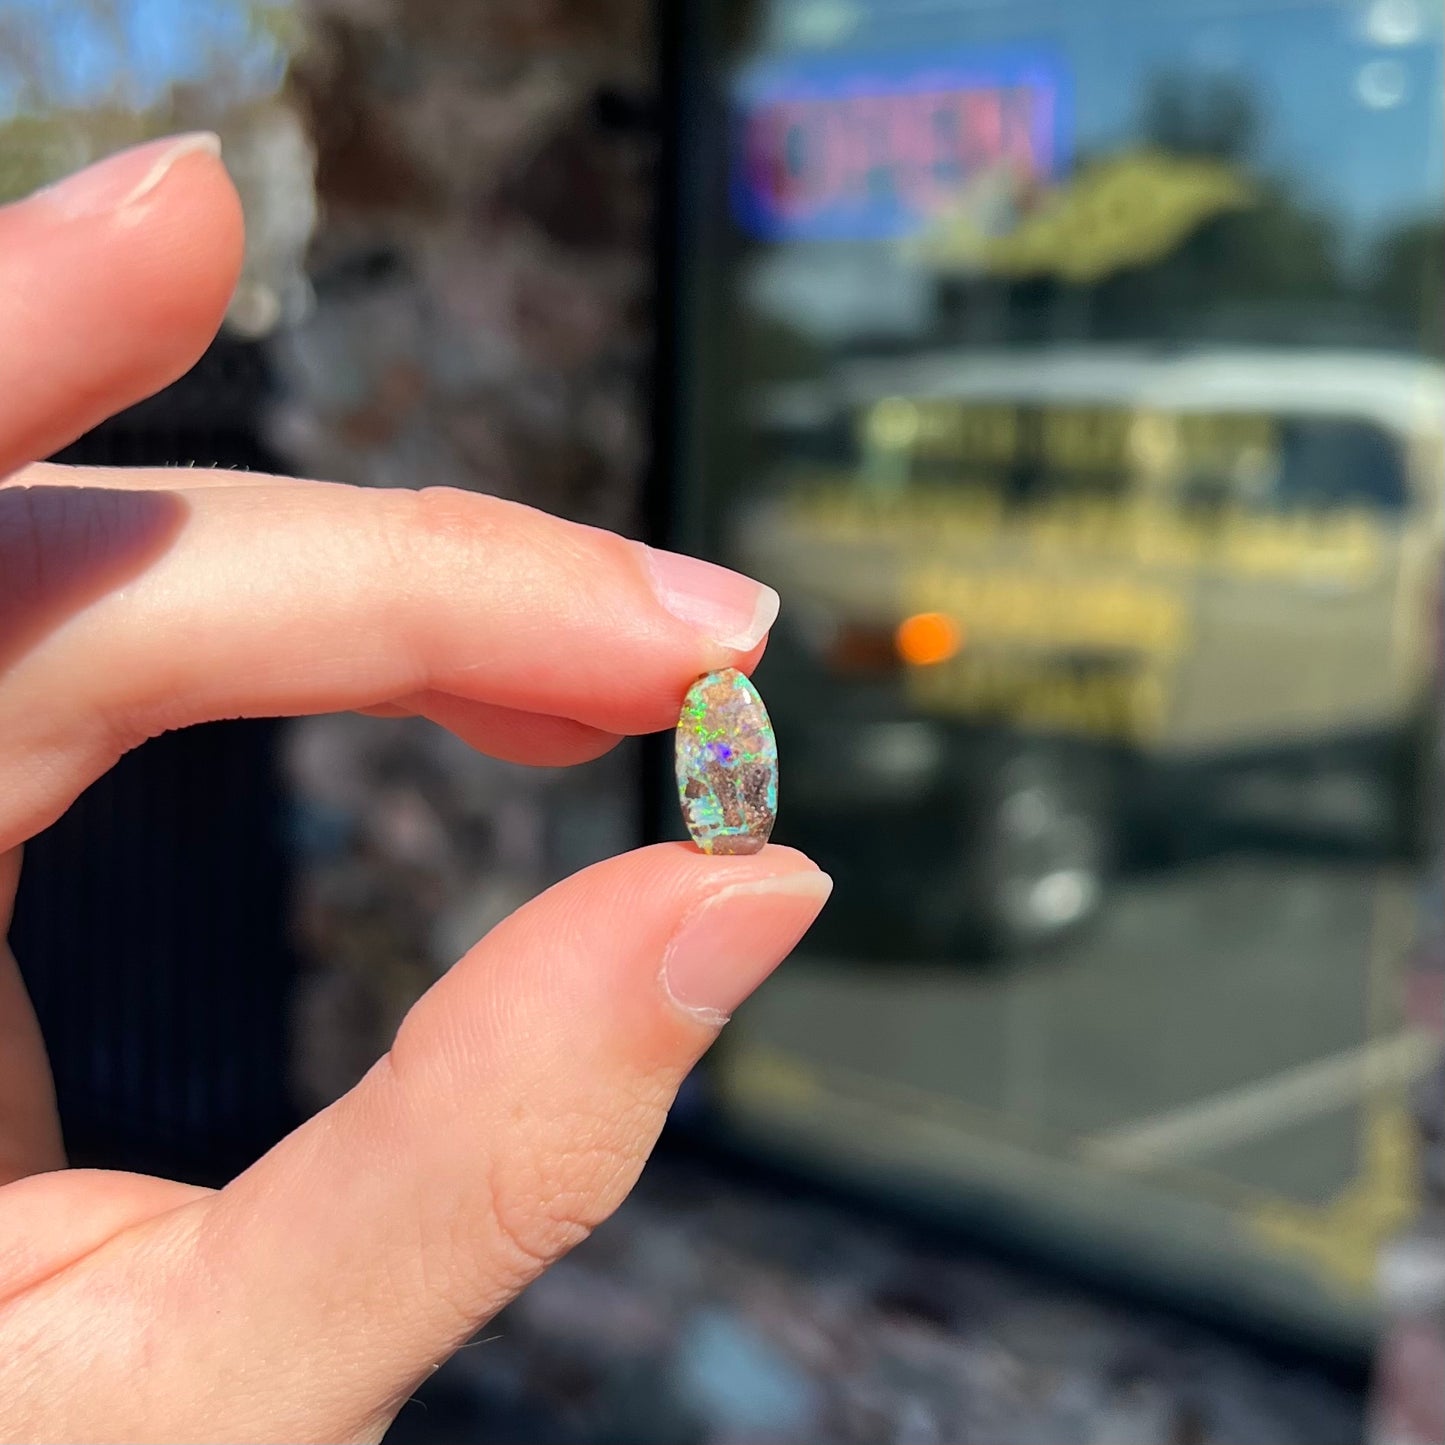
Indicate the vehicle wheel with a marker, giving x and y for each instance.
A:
(1417, 792)
(1035, 855)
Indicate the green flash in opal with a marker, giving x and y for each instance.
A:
(727, 764)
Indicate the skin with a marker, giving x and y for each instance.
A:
(307, 1299)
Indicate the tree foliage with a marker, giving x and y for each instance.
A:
(47, 128)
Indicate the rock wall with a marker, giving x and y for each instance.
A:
(481, 276)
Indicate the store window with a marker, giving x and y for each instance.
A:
(1074, 371)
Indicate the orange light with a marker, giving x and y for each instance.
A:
(927, 638)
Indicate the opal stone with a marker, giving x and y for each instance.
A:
(727, 764)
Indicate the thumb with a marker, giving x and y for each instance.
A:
(513, 1113)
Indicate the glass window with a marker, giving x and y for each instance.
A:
(1339, 463)
(1073, 368)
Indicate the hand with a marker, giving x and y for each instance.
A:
(306, 1299)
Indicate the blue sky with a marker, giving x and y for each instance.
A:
(1349, 90)
(1310, 69)
(1306, 60)
(134, 49)
(1366, 145)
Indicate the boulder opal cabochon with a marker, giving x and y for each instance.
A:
(727, 764)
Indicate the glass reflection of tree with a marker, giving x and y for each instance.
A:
(1273, 271)
(1409, 280)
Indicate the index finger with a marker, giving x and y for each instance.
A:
(151, 610)
(111, 285)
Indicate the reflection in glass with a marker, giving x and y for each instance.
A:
(1075, 375)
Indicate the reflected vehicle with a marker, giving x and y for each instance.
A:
(1074, 371)
(1049, 611)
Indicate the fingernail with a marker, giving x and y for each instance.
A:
(125, 179)
(730, 944)
(733, 610)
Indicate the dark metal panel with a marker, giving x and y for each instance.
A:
(152, 919)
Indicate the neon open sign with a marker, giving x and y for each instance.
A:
(850, 147)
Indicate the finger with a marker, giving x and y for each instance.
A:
(153, 479)
(29, 1124)
(513, 1113)
(270, 600)
(53, 1219)
(111, 285)
(509, 734)
(505, 733)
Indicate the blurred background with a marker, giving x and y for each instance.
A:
(1074, 369)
